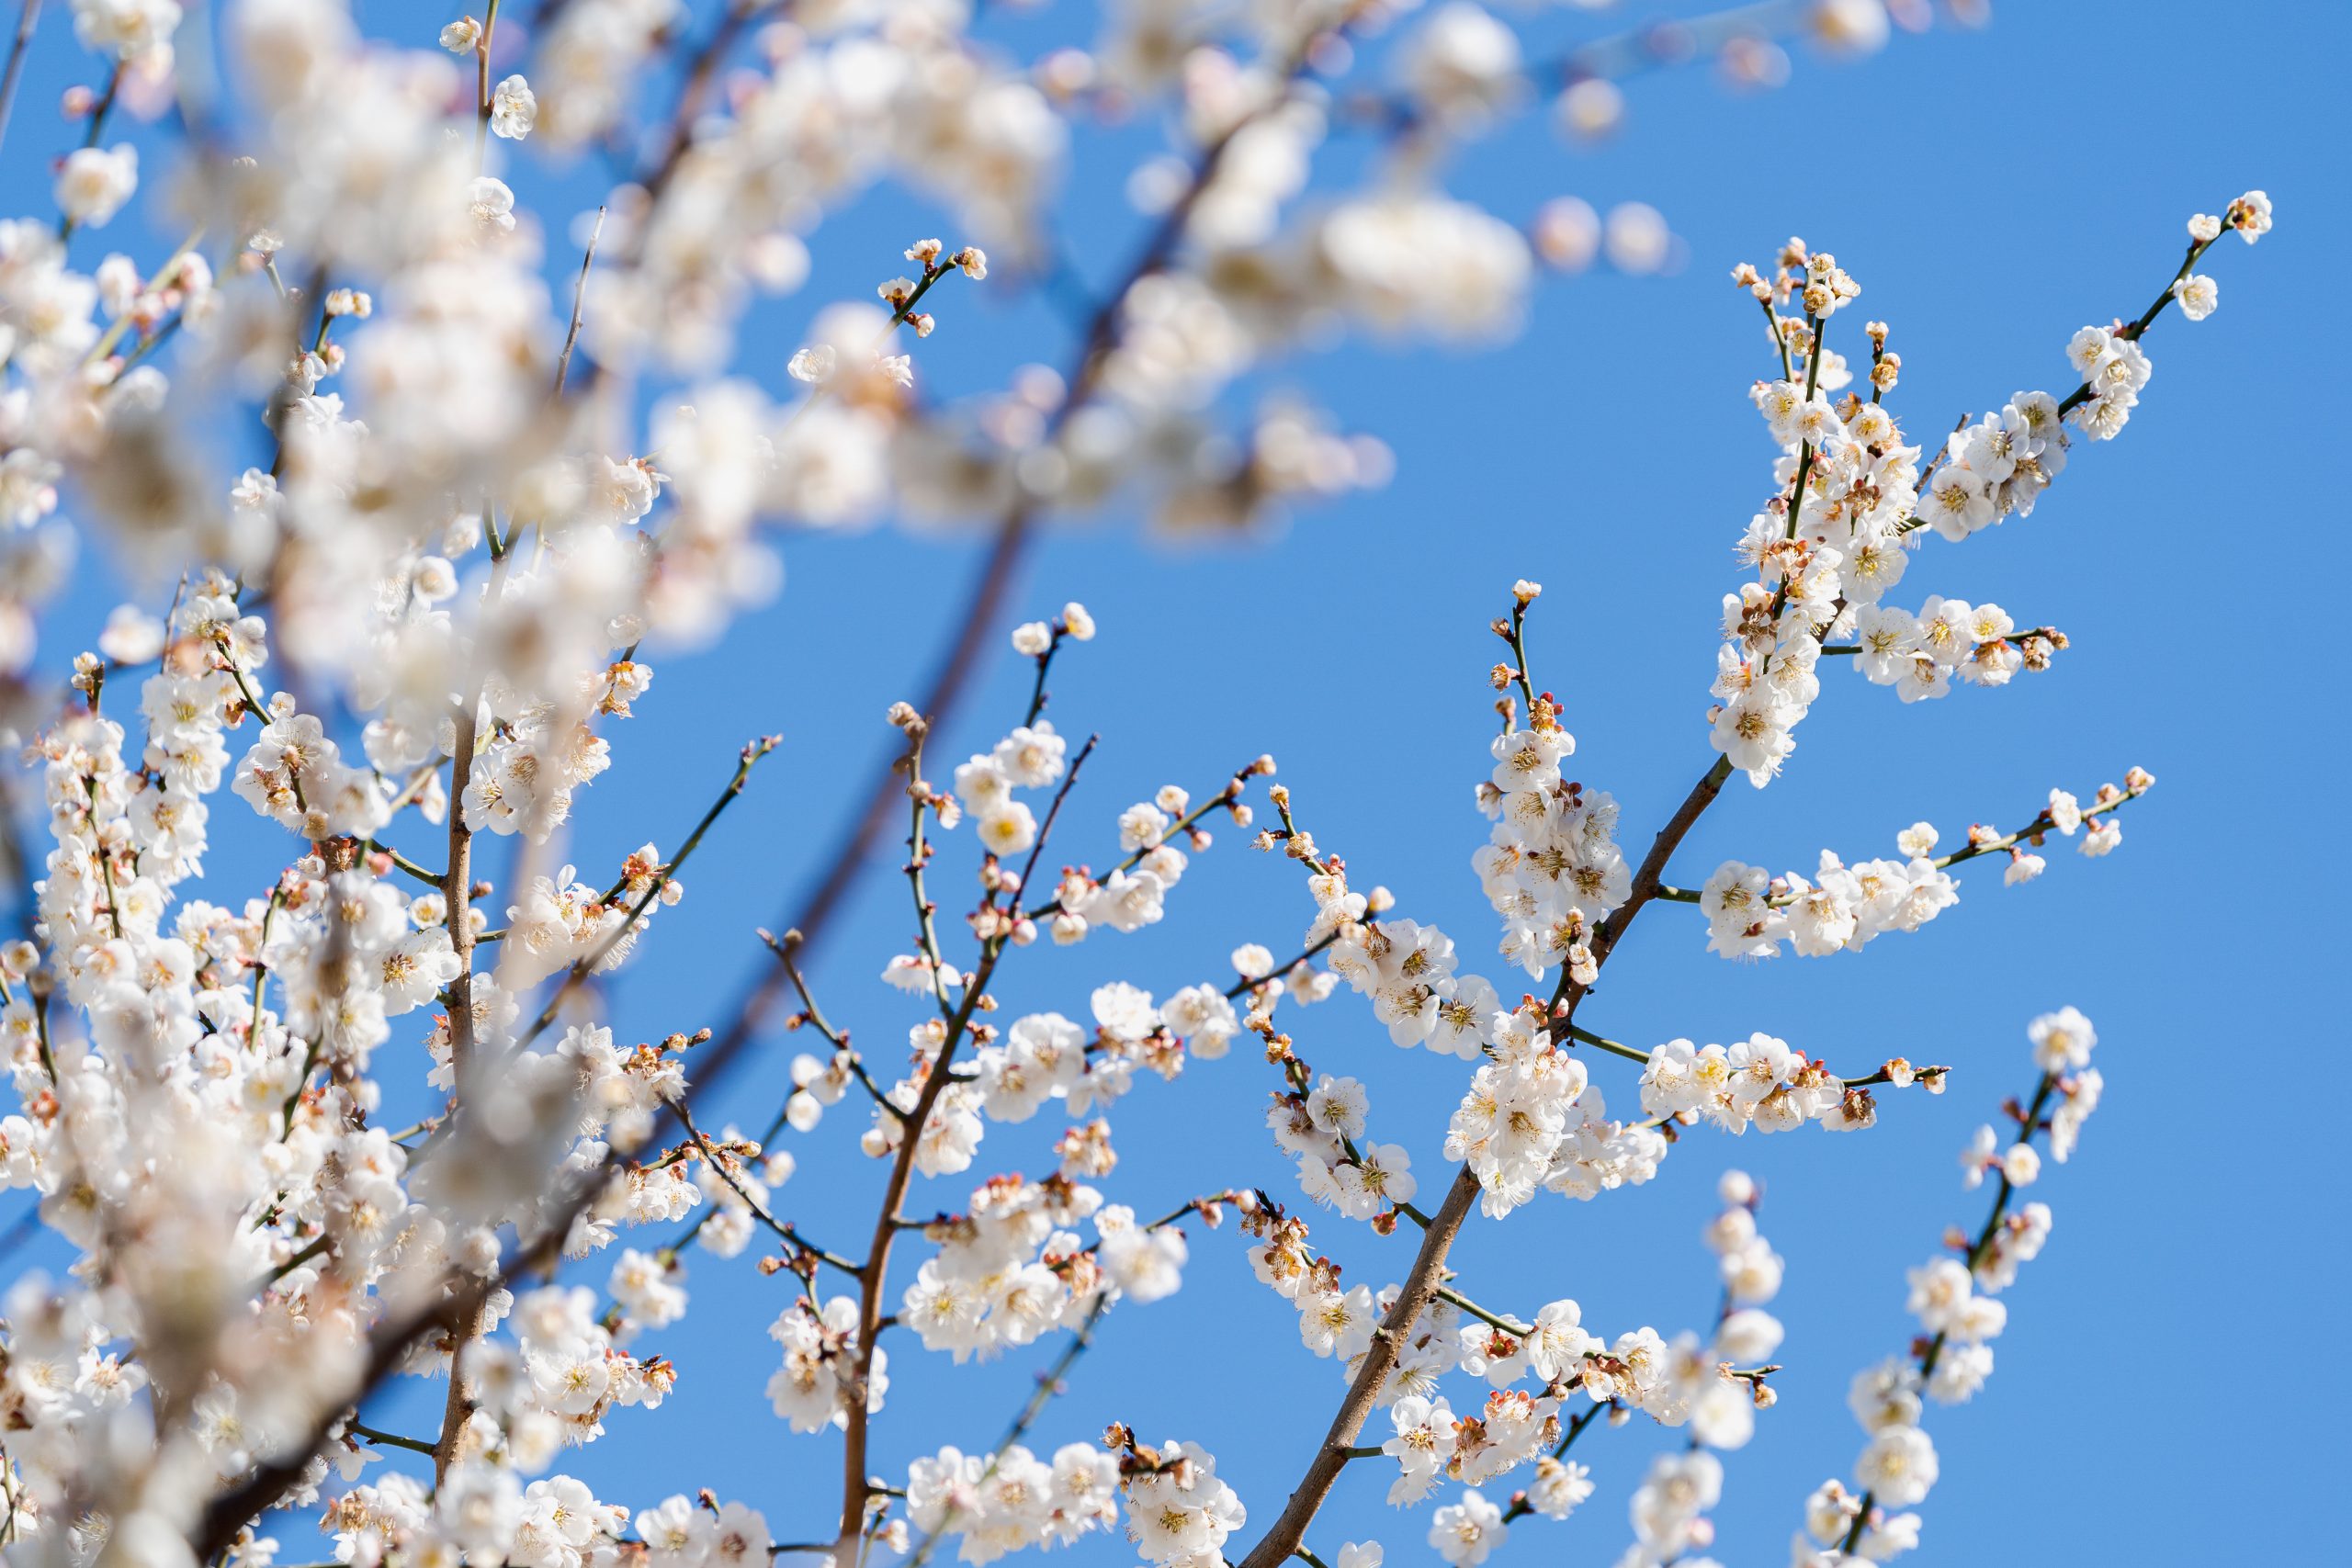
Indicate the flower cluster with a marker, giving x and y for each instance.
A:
(565, 1372)
(563, 923)
(1532, 1118)
(1011, 1268)
(1013, 1500)
(2002, 464)
(1553, 869)
(1751, 913)
(1178, 1512)
(1323, 1128)
(1334, 1319)
(812, 1388)
(554, 1523)
(1850, 500)
(1669, 1509)
(1756, 1082)
(1918, 653)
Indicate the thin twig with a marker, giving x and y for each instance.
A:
(386, 1440)
(580, 972)
(579, 299)
(759, 1209)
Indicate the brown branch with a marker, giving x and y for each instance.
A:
(1276, 1546)
(1645, 884)
(1279, 1543)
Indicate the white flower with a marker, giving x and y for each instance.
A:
(2250, 214)
(492, 204)
(132, 635)
(814, 362)
(2199, 295)
(1753, 734)
(95, 183)
(1558, 1347)
(1464, 1532)
(1146, 1264)
(1898, 1467)
(2062, 1039)
(1008, 828)
(512, 110)
(1558, 1487)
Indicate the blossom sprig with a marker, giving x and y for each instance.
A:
(800, 1109)
(1318, 1123)
(1676, 1383)
(1528, 1117)
(932, 1121)
(2001, 465)
(722, 1160)
(819, 364)
(1758, 1081)
(1040, 641)
(1042, 1056)
(1513, 631)
(1850, 494)
(925, 803)
(2250, 217)
(1750, 914)
(1131, 895)
(1956, 1299)
(902, 295)
(1918, 653)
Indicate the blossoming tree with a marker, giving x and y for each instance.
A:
(407, 635)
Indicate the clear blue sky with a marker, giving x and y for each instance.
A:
(1993, 191)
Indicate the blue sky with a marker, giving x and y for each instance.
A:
(1991, 191)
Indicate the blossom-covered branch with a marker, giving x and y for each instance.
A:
(421, 503)
(1957, 1300)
